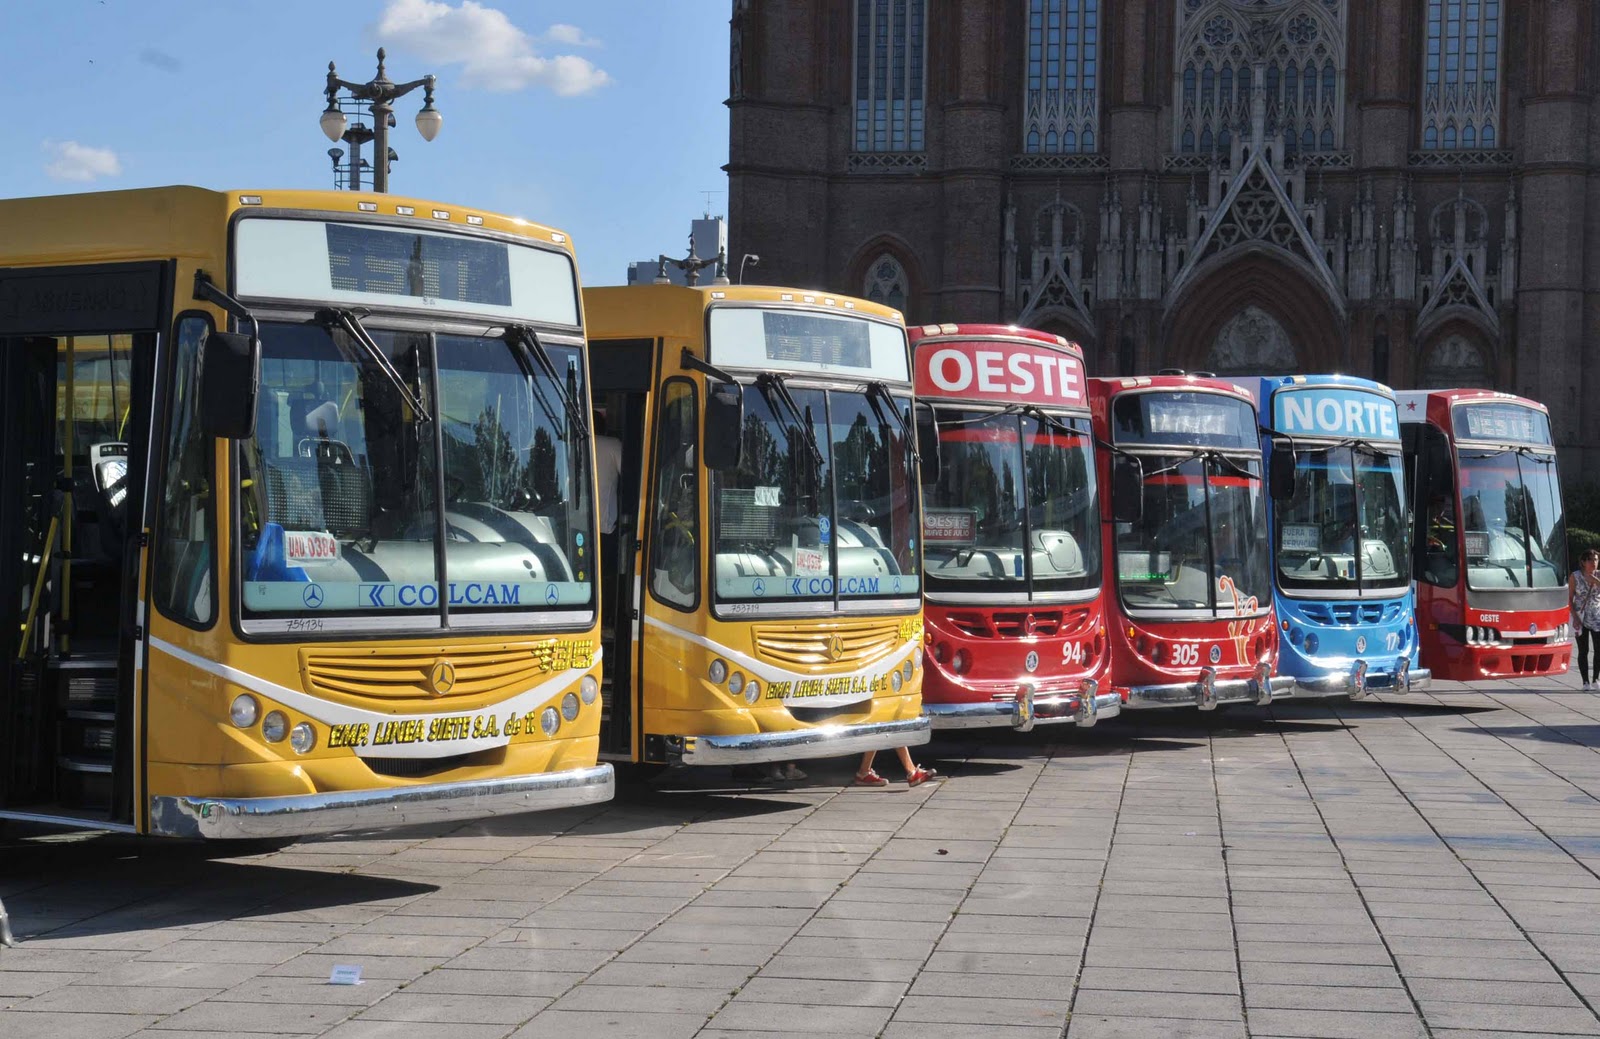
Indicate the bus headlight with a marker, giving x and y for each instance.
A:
(244, 710)
(549, 721)
(905, 671)
(274, 727)
(752, 692)
(961, 662)
(916, 657)
(736, 683)
(718, 672)
(569, 707)
(1313, 643)
(302, 738)
(588, 689)
(894, 680)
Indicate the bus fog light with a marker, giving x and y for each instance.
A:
(941, 651)
(549, 721)
(274, 727)
(962, 661)
(569, 707)
(302, 738)
(588, 689)
(736, 683)
(894, 681)
(1313, 643)
(905, 671)
(752, 692)
(244, 710)
(718, 672)
(916, 657)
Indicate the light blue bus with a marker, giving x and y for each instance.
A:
(1341, 536)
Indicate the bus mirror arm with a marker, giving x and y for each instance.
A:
(230, 368)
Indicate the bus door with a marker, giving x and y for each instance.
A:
(77, 358)
(621, 374)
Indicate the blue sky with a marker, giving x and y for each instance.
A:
(602, 117)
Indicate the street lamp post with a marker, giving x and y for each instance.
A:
(381, 93)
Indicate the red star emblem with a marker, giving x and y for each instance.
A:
(1411, 405)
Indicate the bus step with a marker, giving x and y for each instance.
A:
(91, 716)
(93, 766)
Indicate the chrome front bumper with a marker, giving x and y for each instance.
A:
(1210, 691)
(1415, 680)
(824, 741)
(1082, 708)
(298, 816)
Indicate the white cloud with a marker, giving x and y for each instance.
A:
(570, 36)
(493, 53)
(70, 160)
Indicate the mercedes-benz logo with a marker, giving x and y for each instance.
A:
(836, 647)
(312, 596)
(442, 678)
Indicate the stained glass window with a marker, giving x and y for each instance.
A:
(1461, 74)
(891, 44)
(1061, 109)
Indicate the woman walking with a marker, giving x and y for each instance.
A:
(1585, 587)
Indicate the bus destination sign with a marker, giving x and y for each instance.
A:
(1335, 413)
(1504, 422)
(997, 370)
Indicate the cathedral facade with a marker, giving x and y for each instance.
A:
(1407, 190)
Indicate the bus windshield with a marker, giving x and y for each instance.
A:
(1341, 494)
(340, 486)
(1014, 508)
(823, 501)
(1197, 546)
(1515, 531)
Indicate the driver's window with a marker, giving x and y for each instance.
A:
(674, 535)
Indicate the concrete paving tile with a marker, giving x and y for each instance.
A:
(1524, 993)
(1547, 1020)
(1476, 967)
(1143, 979)
(652, 951)
(807, 1018)
(119, 999)
(1088, 1027)
(1328, 997)
(1328, 952)
(669, 975)
(316, 965)
(514, 983)
(641, 999)
(983, 1010)
(376, 1028)
(775, 989)
(864, 968)
(1003, 963)
(250, 1017)
(1353, 975)
(15, 1024)
(24, 984)
(1329, 1024)
(439, 1008)
(1180, 1005)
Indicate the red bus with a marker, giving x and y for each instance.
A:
(1489, 553)
(1010, 538)
(1188, 582)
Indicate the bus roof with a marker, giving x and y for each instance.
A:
(154, 223)
(1414, 404)
(1105, 387)
(975, 331)
(647, 311)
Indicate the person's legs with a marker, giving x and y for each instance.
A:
(865, 776)
(1585, 636)
(904, 754)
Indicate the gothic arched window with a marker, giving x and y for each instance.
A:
(891, 43)
(887, 283)
(1252, 342)
(1062, 104)
(1300, 45)
(1461, 74)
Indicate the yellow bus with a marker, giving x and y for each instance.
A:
(766, 601)
(296, 514)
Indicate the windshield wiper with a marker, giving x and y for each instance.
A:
(346, 320)
(526, 366)
(528, 339)
(772, 387)
(877, 390)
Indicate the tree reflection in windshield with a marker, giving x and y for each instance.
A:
(1514, 528)
(1341, 494)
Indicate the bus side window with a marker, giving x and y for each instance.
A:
(1438, 539)
(184, 550)
(674, 534)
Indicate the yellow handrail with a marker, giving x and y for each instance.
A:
(38, 585)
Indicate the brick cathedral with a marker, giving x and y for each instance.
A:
(1402, 189)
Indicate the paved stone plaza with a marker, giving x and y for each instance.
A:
(1411, 868)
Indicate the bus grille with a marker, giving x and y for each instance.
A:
(858, 643)
(404, 674)
(412, 768)
(1016, 624)
(1350, 613)
(816, 715)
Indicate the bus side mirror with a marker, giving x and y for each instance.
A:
(928, 448)
(230, 376)
(1280, 474)
(1127, 489)
(724, 425)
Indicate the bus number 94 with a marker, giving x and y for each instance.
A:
(1073, 653)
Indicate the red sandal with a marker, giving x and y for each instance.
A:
(920, 776)
(870, 778)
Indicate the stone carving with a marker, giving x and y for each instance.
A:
(1252, 342)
